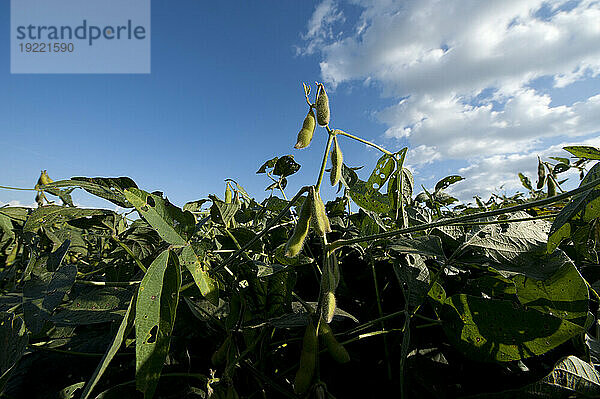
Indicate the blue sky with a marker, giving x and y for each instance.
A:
(472, 88)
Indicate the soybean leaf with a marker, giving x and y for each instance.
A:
(222, 212)
(413, 276)
(447, 181)
(286, 166)
(514, 248)
(208, 287)
(6, 225)
(97, 306)
(171, 223)
(501, 330)
(525, 181)
(13, 342)
(42, 294)
(564, 294)
(124, 329)
(69, 392)
(585, 205)
(385, 166)
(369, 199)
(267, 165)
(424, 245)
(109, 188)
(581, 151)
(156, 307)
(16, 213)
(195, 206)
(54, 214)
(571, 377)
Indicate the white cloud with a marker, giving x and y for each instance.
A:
(462, 72)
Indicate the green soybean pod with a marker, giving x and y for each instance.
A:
(308, 129)
(328, 306)
(296, 241)
(335, 349)
(308, 360)
(228, 195)
(336, 163)
(320, 220)
(541, 174)
(322, 107)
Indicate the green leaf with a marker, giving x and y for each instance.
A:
(286, 166)
(109, 188)
(97, 306)
(208, 287)
(447, 182)
(525, 181)
(581, 151)
(171, 223)
(564, 294)
(501, 330)
(571, 377)
(222, 212)
(412, 274)
(13, 342)
(369, 199)
(514, 248)
(156, 307)
(41, 295)
(16, 213)
(124, 329)
(267, 165)
(585, 205)
(385, 166)
(424, 245)
(54, 214)
(195, 206)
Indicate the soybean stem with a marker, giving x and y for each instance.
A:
(341, 132)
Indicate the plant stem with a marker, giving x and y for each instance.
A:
(18, 188)
(324, 163)
(273, 222)
(341, 132)
(466, 218)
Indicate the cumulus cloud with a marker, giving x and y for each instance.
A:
(464, 74)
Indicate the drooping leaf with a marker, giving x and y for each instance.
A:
(42, 294)
(564, 294)
(424, 245)
(13, 342)
(97, 306)
(517, 247)
(525, 181)
(54, 214)
(195, 206)
(585, 205)
(124, 329)
(571, 377)
(221, 211)
(156, 306)
(267, 165)
(208, 287)
(413, 275)
(502, 330)
(170, 222)
(109, 188)
(286, 166)
(582, 151)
